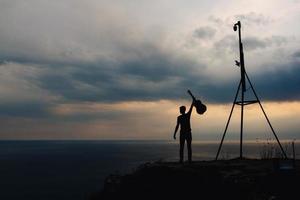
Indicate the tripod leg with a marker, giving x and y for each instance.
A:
(242, 124)
(283, 152)
(220, 146)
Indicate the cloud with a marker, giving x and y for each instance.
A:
(93, 53)
(136, 82)
(248, 19)
(280, 85)
(92, 68)
(250, 43)
(296, 54)
(206, 32)
(253, 18)
(152, 76)
(25, 110)
(216, 20)
(228, 43)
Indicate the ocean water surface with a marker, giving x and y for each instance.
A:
(63, 170)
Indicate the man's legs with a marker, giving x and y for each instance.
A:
(182, 140)
(189, 146)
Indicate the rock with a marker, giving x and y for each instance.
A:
(231, 179)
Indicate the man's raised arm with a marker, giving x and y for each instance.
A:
(191, 108)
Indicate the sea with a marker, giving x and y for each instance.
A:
(65, 170)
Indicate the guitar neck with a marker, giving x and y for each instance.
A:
(190, 93)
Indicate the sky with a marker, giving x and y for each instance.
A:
(93, 69)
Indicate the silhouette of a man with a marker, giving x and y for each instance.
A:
(185, 131)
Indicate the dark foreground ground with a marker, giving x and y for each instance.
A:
(231, 179)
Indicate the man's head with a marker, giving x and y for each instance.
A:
(182, 109)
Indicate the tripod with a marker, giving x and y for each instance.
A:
(242, 89)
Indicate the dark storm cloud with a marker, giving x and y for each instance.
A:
(25, 109)
(168, 79)
(275, 85)
(280, 85)
(159, 78)
(152, 76)
(41, 110)
(2, 62)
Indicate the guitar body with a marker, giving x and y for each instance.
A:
(200, 107)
